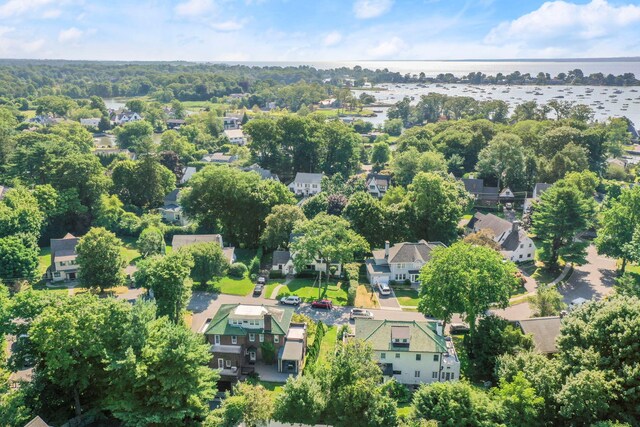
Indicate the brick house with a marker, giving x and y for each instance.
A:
(240, 336)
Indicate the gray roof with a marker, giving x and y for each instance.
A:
(308, 178)
(544, 331)
(64, 248)
(292, 350)
(473, 185)
(172, 198)
(379, 178)
(180, 240)
(491, 222)
(281, 257)
(540, 188)
(264, 173)
(513, 240)
(408, 252)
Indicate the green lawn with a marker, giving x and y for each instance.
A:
(245, 255)
(407, 297)
(328, 345)
(271, 285)
(44, 260)
(129, 251)
(275, 388)
(233, 286)
(305, 289)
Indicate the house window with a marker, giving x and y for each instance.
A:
(436, 357)
(56, 274)
(261, 337)
(276, 339)
(383, 355)
(397, 372)
(529, 244)
(216, 339)
(416, 374)
(418, 357)
(401, 276)
(521, 245)
(252, 337)
(520, 256)
(434, 374)
(400, 266)
(397, 355)
(528, 255)
(451, 375)
(234, 339)
(414, 277)
(279, 266)
(227, 363)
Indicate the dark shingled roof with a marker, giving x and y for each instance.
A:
(63, 247)
(408, 252)
(180, 240)
(281, 257)
(494, 223)
(544, 331)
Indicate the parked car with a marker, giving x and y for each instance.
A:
(577, 303)
(458, 328)
(262, 281)
(322, 303)
(384, 289)
(257, 290)
(360, 313)
(290, 300)
(509, 206)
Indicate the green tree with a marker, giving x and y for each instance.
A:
(380, 153)
(366, 215)
(83, 173)
(465, 279)
(151, 242)
(143, 183)
(522, 405)
(169, 279)
(100, 259)
(162, 378)
(618, 220)
(279, 224)
(131, 135)
(108, 212)
(503, 161)
(250, 404)
(562, 212)
(302, 401)
(208, 261)
(20, 214)
(547, 301)
(438, 204)
(343, 146)
(328, 239)
(19, 259)
(136, 106)
(585, 398)
(393, 127)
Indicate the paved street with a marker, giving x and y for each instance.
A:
(592, 280)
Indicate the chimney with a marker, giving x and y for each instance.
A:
(386, 249)
(439, 329)
(515, 226)
(267, 323)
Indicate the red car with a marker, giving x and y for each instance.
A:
(322, 303)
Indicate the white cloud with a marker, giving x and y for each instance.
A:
(51, 13)
(227, 26)
(388, 48)
(332, 39)
(559, 21)
(366, 9)
(195, 8)
(70, 35)
(20, 7)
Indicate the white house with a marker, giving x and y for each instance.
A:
(187, 174)
(235, 136)
(91, 122)
(377, 184)
(538, 189)
(63, 259)
(514, 243)
(126, 117)
(306, 184)
(230, 123)
(283, 261)
(412, 352)
(219, 158)
(400, 262)
(180, 240)
(171, 211)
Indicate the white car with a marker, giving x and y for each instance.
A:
(577, 303)
(290, 300)
(360, 313)
(384, 289)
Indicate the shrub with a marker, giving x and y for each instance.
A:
(268, 352)
(352, 271)
(397, 391)
(275, 274)
(254, 265)
(237, 270)
(351, 293)
(407, 282)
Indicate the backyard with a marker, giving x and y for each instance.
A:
(233, 286)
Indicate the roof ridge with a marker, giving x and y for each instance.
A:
(435, 337)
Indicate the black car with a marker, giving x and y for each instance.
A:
(257, 291)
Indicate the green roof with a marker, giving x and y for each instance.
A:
(280, 321)
(422, 335)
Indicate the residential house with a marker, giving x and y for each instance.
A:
(231, 123)
(235, 136)
(538, 189)
(107, 152)
(507, 196)
(44, 120)
(240, 335)
(187, 174)
(412, 352)
(480, 192)
(543, 331)
(219, 158)
(125, 117)
(90, 122)
(306, 184)
(175, 123)
(63, 259)
(171, 211)
(283, 261)
(514, 242)
(36, 422)
(264, 173)
(180, 240)
(377, 184)
(327, 103)
(400, 262)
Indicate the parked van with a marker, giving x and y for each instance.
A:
(384, 289)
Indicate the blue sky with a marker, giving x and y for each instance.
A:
(317, 30)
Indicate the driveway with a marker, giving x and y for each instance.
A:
(389, 302)
(595, 279)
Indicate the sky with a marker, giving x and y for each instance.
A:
(318, 30)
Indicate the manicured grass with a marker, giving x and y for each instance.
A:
(129, 251)
(305, 289)
(233, 286)
(365, 298)
(544, 275)
(328, 345)
(407, 297)
(275, 388)
(271, 285)
(245, 255)
(44, 260)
